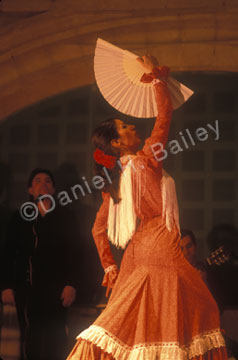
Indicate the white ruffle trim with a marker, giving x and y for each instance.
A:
(152, 351)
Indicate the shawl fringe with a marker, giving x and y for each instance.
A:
(121, 216)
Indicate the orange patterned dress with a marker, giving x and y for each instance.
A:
(159, 308)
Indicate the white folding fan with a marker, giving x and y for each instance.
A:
(118, 77)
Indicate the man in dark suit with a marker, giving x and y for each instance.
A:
(39, 272)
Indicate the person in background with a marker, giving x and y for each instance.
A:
(221, 279)
(210, 267)
(188, 244)
(40, 274)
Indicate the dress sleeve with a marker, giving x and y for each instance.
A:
(159, 134)
(99, 232)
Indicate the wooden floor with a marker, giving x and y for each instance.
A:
(79, 318)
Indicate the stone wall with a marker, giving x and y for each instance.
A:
(47, 48)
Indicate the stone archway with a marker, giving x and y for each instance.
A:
(47, 53)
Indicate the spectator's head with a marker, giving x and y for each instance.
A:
(188, 245)
(40, 182)
(223, 235)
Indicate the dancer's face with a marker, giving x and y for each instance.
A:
(128, 139)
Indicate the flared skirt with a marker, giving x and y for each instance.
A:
(159, 309)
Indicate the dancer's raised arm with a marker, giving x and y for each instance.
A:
(159, 135)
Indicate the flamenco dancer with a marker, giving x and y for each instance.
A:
(159, 308)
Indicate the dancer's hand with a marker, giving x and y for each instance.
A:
(148, 61)
(110, 279)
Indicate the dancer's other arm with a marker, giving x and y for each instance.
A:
(99, 232)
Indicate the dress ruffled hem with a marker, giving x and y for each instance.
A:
(200, 345)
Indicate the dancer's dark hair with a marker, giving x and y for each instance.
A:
(101, 139)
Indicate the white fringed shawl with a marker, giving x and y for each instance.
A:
(170, 211)
(122, 216)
